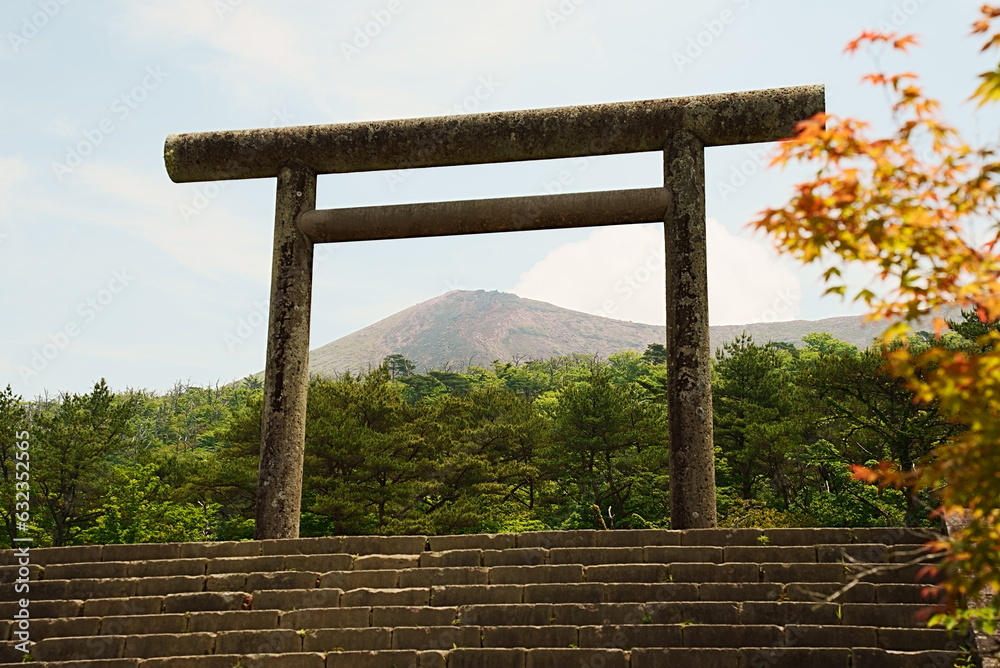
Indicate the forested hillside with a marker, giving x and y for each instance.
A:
(567, 442)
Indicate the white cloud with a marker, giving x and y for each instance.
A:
(618, 272)
(214, 243)
(262, 41)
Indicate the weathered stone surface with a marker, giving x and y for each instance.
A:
(318, 563)
(797, 635)
(386, 561)
(905, 593)
(137, 624)
(486, 658)
(179, 644)
(589, 614)
(384, 597)
(471, 594)
(56, 628)
(223, 549)
(530, 636)
(177, 584)
(741, 591)
(693, 612)
(326, 618)
(863, 552)
(113, 607)
(259, 641)
(538, 614)
(452, 558)
(435, 637)
(362, 545)
(595, 555)
(245, 564)
(286, 580)
(861, 592)
(552, 539)
(627, 636)
(721, 537)
(414, 616)
(764, 553)
(328, 545)
(687, 554)
(166, 567)
(564, 593)
(797, 657)
(226, 582)
(789, 612)
(725, 635)
(880, 658)
(110, 569)
(808, 536)
(495, 541)
(141, 551)
(346, 580)
(237, 620)
(620, 573)
(798, 572)
(374, 659)
(623, 127)
(536, 574)
(875, 614)
(427, 577)
(528, 556)
(674, 656)
(297, 599)
(650, 593)
(714, 572)
(347, 639)
(637, 538)
(205, 601)
(46, 556)
(73, 649)
(557, 658)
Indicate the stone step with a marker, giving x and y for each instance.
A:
(328, 636)
(862, 553)
(736, 598)
(77, 586)
(749, 657)
(545, 540)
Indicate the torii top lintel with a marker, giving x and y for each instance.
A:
(536, 134)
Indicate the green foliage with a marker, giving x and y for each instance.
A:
(570, 442)
(138, 509)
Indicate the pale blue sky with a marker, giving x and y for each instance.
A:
(114, 271)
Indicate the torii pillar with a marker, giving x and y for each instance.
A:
(681, 128)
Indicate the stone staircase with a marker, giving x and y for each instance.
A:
(707, 598)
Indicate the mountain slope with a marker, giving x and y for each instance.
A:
(464, 327)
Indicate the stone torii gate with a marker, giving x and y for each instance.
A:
(679, 127)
